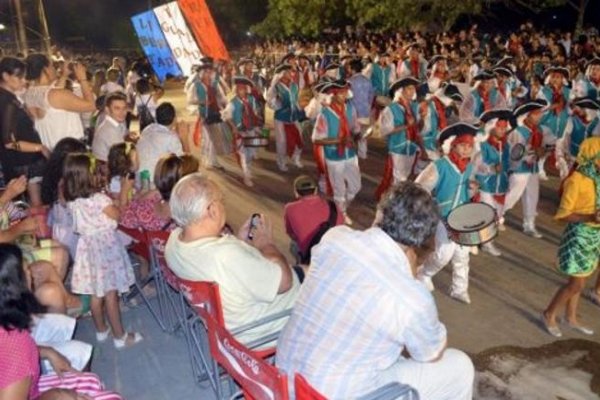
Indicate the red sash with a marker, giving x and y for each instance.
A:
(441, 111)
(386, 179)
(486, 100)
(559, 100)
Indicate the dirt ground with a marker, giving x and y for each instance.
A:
(508, 293)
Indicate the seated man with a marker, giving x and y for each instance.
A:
(165, 136)
(362, 320)
(112, 129)
(305, 217)
(254, 278)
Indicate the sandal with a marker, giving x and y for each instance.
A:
(129, 339)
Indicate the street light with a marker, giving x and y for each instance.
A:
(2, 27)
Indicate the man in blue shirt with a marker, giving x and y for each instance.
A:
(362, 100)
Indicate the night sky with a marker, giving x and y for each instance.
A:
(104, 24)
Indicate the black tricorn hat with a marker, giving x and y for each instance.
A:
(457, 129)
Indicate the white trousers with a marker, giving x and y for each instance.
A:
(448, 251)
(527, 188)
(449, 378)
(207, 149)
(344, 176)
(402, 167)
(247, 154)
(488, 198)
(362, 147)
(281, 143)
(56, 331)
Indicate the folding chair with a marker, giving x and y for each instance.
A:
(139, 247)
(258, 379)
(205, 299)
(390, 391)
(171, 304)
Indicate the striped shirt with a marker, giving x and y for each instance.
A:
(358, 308)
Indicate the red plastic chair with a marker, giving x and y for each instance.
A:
(391, 391)
(258, 379)
(205, 299)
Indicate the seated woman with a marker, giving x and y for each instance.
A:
(150, 211)
(20, 356)
(48, 262)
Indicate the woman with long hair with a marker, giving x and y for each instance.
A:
(22, 152)
(20, 356)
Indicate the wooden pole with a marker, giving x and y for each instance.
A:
(21, 28)
(45, 31)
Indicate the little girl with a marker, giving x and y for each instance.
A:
(122, 162)
(102, 267)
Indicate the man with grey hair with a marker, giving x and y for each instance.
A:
(254, 278)
(363, 320)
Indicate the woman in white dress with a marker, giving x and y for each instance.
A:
(56, 111)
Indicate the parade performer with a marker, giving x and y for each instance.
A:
(210, 103)
(524, 179)
(437, 111)
(589, 86)
(399, 124)
(335, 130)
(414, 66)
(483, 97)
(586, 124)
(242, 114)
(282, 97)
(492, 165)
(579, 250)
(450, 180)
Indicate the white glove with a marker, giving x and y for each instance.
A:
(563, 168)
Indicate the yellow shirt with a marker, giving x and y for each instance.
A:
(579, 197)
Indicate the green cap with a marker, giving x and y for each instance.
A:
(145, 174)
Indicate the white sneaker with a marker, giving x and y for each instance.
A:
(282, 166)
(543, 176)
(501, 227)
(298, 162)
(474, 250)
(491, 249)
(531, 231)
(462, 297)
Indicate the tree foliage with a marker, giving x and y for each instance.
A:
(311, 17)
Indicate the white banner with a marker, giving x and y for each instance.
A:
(178, 36)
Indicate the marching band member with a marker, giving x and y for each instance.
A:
(449, 179)
(524, 179)
(483, 97)
(589, 86)
(436, 112)
(504, 85)
(586, 123)
(305, 71)
(242, 115)
(399, 124)
(438, 72)
(282, 97)
(556, 119)
(336, 126)
(382, 75)
(414, 66)
(210, 103)
(492, 164)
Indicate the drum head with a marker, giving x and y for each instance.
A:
(517, 152)
(471, 217)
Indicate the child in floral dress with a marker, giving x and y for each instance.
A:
(102, 268)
